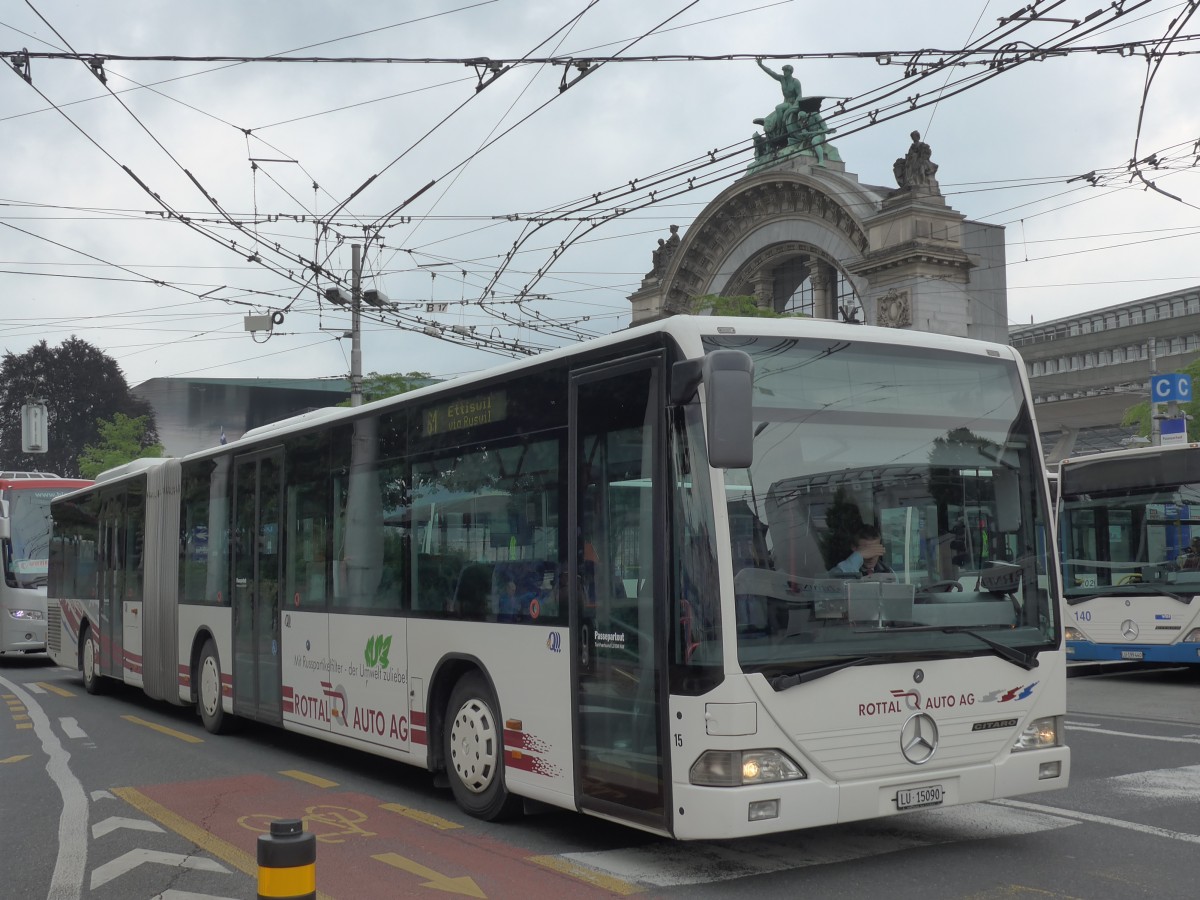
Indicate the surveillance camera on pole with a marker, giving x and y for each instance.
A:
(337, 295)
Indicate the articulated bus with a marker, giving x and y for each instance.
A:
(1129, 536)
(25, 544)
(600, 579)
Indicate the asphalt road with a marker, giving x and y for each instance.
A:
(144, 803)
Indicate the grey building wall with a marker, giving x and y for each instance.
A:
(1085, 370)
(191, 413)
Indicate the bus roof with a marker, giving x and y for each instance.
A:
(688, 331)
(36, 484)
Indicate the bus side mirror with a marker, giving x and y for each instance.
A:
(5, 528)
(728, 377)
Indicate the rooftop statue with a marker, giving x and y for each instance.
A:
(795, 126)
(916, 169)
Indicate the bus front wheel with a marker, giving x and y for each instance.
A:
(208, 690)
(474, 749)
(89, 661)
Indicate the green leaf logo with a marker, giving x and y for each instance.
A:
(376, 653)
(383, 645)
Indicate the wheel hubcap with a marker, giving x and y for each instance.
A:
(210, 696)
(473, 746)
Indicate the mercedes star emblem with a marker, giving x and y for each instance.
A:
(919, 739)
(1129, 629)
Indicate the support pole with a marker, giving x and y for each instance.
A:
(355, 326)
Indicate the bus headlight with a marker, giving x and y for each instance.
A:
(1074, 634)
(1038, 734)
(734, 768)
(28, 614)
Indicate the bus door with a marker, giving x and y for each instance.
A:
(614, 538)
(257, 585)
(111, 593)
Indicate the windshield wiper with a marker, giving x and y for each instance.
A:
(1017, 657)
(1120, 590)
(791, 679)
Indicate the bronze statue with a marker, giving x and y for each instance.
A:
(794, 126)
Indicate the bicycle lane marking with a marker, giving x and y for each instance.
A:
(360, 841)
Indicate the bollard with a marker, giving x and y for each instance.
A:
(287, 862)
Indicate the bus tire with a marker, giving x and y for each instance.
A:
(208, 691)
(89, 662)
(473, 742)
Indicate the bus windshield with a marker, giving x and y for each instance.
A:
(28, 548)
(892, 510)
(1127, 538)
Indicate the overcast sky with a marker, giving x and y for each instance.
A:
(149, 214)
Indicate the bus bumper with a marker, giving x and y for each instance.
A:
(23, 635)
(1151, 653)
(707, 813)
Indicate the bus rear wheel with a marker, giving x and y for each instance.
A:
(473, 741)
(89, 661)
(208, 691)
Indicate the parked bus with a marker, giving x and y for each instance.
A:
(600, 579)
(25, 545)
(1129, 533)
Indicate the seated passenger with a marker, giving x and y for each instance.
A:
(866, 557)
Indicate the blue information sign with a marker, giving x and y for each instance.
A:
(1165, 388)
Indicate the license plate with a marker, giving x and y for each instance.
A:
(911, 798)
(1131, 654)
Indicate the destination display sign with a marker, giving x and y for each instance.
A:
(464, 412)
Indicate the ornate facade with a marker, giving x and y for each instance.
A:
(803, 235)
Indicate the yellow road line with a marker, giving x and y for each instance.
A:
(20, 718)
(13, 759)
(218, 847)
(163, 729)
(420, 816)
(583, 873)
(54, 688)
(314, 780)
(29, 725)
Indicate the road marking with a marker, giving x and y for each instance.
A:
(23, 727)
(464, 884)
(71, 729)
(112, 823)
(173, 894)
(219, 848)
(62, 692)
(34, 688)
(13, 759)
(21, 718)
(197, 835)
(1145, 737)
(71, 860)
(586, 874)
(163, 729)
(127, 862)
(675, 864)
(102, 795)
(1163, 785)
(420, 816)
(314, 780)
(1102, 820)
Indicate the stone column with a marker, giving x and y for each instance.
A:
(823, 278)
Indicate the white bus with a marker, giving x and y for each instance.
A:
(599, 579)
(25, 546)
(1129, 533)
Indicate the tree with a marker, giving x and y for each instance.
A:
(1139, 413)
(81, 386)
(121, 441)
(376, 386)
(738, 305)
